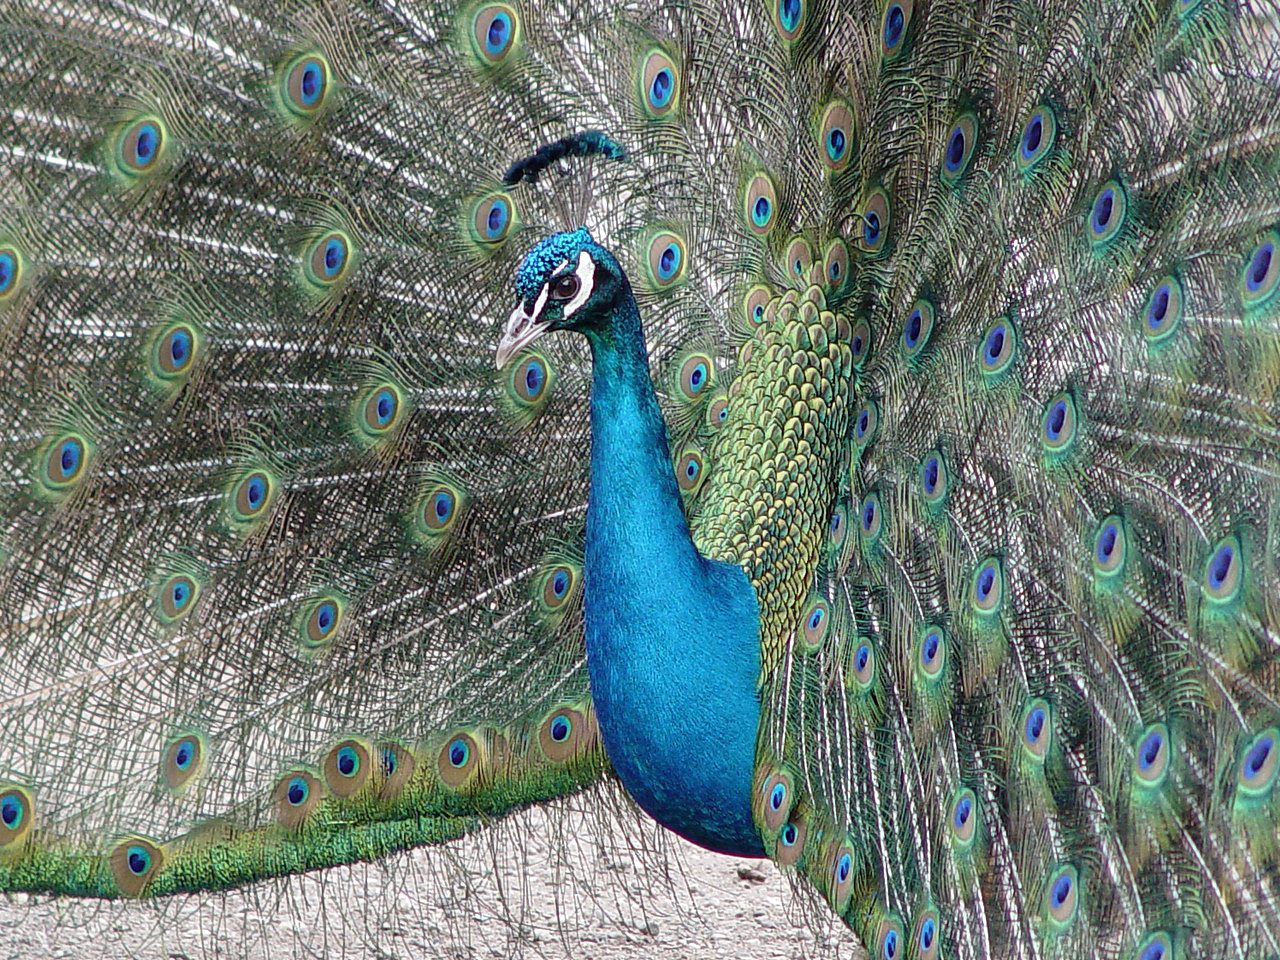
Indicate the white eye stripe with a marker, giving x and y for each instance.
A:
(545, 292)
(586, 273)
(541, 301)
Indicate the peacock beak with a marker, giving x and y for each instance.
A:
(521, 330)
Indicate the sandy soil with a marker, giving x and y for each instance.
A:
(564, 885)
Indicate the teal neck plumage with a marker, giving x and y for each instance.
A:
(673, 639)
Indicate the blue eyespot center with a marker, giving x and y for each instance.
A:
(8, 270)
(312, 83)
(986, 583)
(914, 325)
(560, 729)
(871, 228)
(560, 584)
(1159, 307)
(459, 753)
(890, 946)
(868, 515)
(789, 834)
(139, 861)
(1153, 951)
(297, 791)
(255, 492)
(1061, 890)
(1035, 725)
(836, 143)
(497, 219)
(843, 868)
(442, 505)
(963, 809)
(1102, 210)
(69, 456)
(334, 255)
(894, 21)
(1256, 759)
(955, 150)
(179, 348)
(1149, 752)
(145, 145)
(669, 261)
(932, 642)
(1109, 547)
(1032, 136)
(777, 796)
(661, 88)
(183, 756)
(1260, 265)
(534, 376)
(861, 658)
(930, 476)
(927, 932)
(347, 762)
(326, 616)
(499, 30)
(11, 812)
(1107, 542)
(1220, 568)
(389, 762)
(1056, 420)
(995, 345)
(790, 14)
(760, 212)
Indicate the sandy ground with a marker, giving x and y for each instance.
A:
(538, 886)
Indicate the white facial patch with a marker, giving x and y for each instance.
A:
(586, 274)
(540, 302)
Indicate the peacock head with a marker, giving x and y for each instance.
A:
(567, 282)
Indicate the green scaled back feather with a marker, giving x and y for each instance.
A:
(965, 323)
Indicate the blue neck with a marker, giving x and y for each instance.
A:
(673, 639)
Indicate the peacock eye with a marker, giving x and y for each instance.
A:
(565, 287)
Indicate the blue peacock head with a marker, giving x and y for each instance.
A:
(567, 282)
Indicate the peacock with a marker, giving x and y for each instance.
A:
(850, 429)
